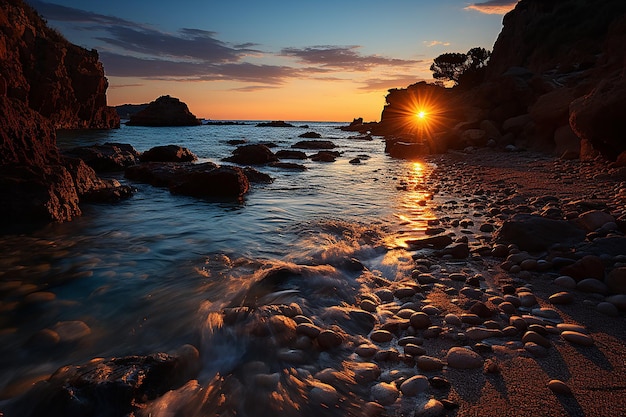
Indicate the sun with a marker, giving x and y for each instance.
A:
(421, 114)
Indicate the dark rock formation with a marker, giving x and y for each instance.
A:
(109, 157)
(310, 135)
(402, 148)
(112, 387)
(357, 125)
(254, 154)
(276, 123)
(61, 81)
(325, 156)
(314, 144)
(554, 83)
(289, 154)
(46, 83)
(535, 233)
(197, 180)
(290, 166)
(168, 153)
(164, 111)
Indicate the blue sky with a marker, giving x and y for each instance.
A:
(323, 60)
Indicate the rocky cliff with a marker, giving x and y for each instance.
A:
(61, 81)
(555, 82)
(46, 83)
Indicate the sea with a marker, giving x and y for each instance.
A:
(143, 275)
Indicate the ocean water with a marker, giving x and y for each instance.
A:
(143, 276)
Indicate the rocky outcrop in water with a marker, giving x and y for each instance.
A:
(164, 111)
(46, 83)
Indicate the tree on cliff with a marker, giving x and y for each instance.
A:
(463, 69)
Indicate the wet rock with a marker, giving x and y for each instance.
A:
(414, 385)
(290, 154)
(310, 135)
(365, 372)
(463, 358)
(436, 242)
(414, 350)
(481, 310)
(381, 336)
(254, 154)
(109, 157)
(328, 339)
(308, 329)
(325, 156)
(223, 182)
(458, 250)
(594, 219)
(118, 386)
(420, 320)
(384, 393)
(432, 408)
(168, 153)
(71, 331)
(314, 144)
(535, 233)
(275, 123)
(429, 363)
(323, 394)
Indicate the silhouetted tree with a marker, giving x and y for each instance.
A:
(463, 69)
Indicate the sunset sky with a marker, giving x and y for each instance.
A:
(273, 59)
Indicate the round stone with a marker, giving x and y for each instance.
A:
(480, 333)
(577, 338)
(452, 319)
(365, 372)
(562, 297)
(607, 309)
(432, 408)
(308, 329)
(71, 331)
(420, 320)
(366, 350)
(592, 285)
(429, 363)
(323, 394)
(384, 393)
(381, 336)
(535, 337)
(507, 308)
(565, 282)
(414, 350)
(414, 385)
(463, 358)
(559, 387)
(616, 280)
(536, 350)
(328, 339)
(368, 305)
(404, 292)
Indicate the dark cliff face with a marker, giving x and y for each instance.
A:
(543, 35)
(61, 81)
(46, 83)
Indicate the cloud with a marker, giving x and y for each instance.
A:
(430, 44)
(384, 84)
(60, 13)
(493, 6)
(344, 58)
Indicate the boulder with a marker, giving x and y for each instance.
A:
(401, 149)
(164, 111)
(310, 135)
(314, 144)
(116, 386)
(289, 154)
(535, 233)
(325, 156)
(276, 123)
(197, 180)
(254, 154)
(597, 116)
(168, 153)
(109, 157)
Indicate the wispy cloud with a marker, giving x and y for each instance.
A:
(346, 58)
(430, 44)
(130, 49)
(378, 84)
(493, 6)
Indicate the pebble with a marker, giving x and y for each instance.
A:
(472, 319)
(571, 327)
(535, 337)
(384, 393)
(384, 295)
(308, 329)
(618, 300)
(480, 333)
(431, 310)
(414, 385)
(607, 309)
(562, 297)
(420, 320)
(368, 305)
(559, 387)
(323, 394)
(365, 372)
(452, 319)
(565, 282)
(463, 358)
(414, 350)
(381, 336)
(432, 408)
(577, 338)
(507, 307)
(527, 299)
(536, 350)
(404, 292)
(592, 285)
(616, 280)
(366, 350)
(546, 313)
(328, 339)
(71, 331)
(429, 363)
